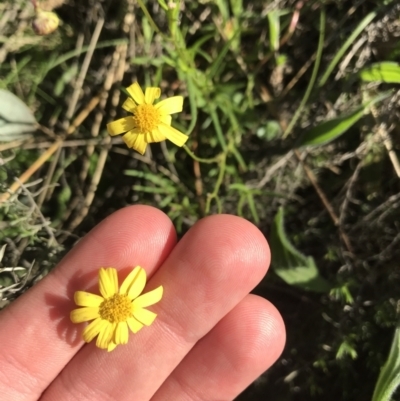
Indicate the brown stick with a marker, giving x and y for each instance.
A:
(325, 201)
(47, 154)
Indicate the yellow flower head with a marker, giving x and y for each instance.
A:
(115, 310)
(150, 122)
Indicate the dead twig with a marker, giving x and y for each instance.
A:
(387, 141)
(325, 201)
(47, 154)
(45, 224)
(115, 74)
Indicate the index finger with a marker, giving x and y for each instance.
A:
(36, 335)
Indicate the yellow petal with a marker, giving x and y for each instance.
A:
(120, 126)
(111, 346)
(154, 136)
(166, 119)
(175, 136)
(171, 105)
(134, 284)
(151, 94)
(136, 92)
(93, 329)
(134, 325)
(106, 335)
(144, 316)
(129, 105)
(135, 141)
(121, 333)
(108, 282)
(84, 314)
(83, 298)
(149, 298)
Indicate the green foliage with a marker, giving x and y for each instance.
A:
(332, 129)
(350, 40)
(389, 378)
(346, 349)
(292, 266)
(171, 197)
(386, 71)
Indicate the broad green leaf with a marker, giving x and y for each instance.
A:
(332, 129)
(386, 71)
(292, 266)
(16, 119)
(389, 378)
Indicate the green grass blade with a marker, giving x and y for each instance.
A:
(332, 129)
(219, 61)
(217, 126)
(274, 30)
(73, 53)
(361, 26)
(389, 378)
(313, 75)
(192, 103)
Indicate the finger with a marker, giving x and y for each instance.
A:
(36, 335)
(239, 348)
(210, 270)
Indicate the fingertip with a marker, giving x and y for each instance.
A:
(258, 330)
(237, 237)
(269, 327)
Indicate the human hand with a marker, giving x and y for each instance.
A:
(210, 340)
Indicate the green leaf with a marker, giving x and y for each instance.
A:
(292, 266)
(16, 119)
(346, 349)
(332, 129)
(389, 378)
(274, 30)
(386, 71)
(212, 71)
(350, 41)
(270, 131)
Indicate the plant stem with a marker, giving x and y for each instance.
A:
(215, 159)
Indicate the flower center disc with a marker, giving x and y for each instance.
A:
(146, 117)
(116, 309)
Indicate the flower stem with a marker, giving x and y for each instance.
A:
(214, 194)
(151, 21)
(215, 159)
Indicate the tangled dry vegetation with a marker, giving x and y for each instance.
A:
(257, 77)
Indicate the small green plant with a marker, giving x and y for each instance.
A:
(389, 377)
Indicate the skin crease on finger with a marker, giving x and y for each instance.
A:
(215, 265)
(36, 334)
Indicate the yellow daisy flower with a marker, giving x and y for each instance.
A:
(115, 310)
(150, 122)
